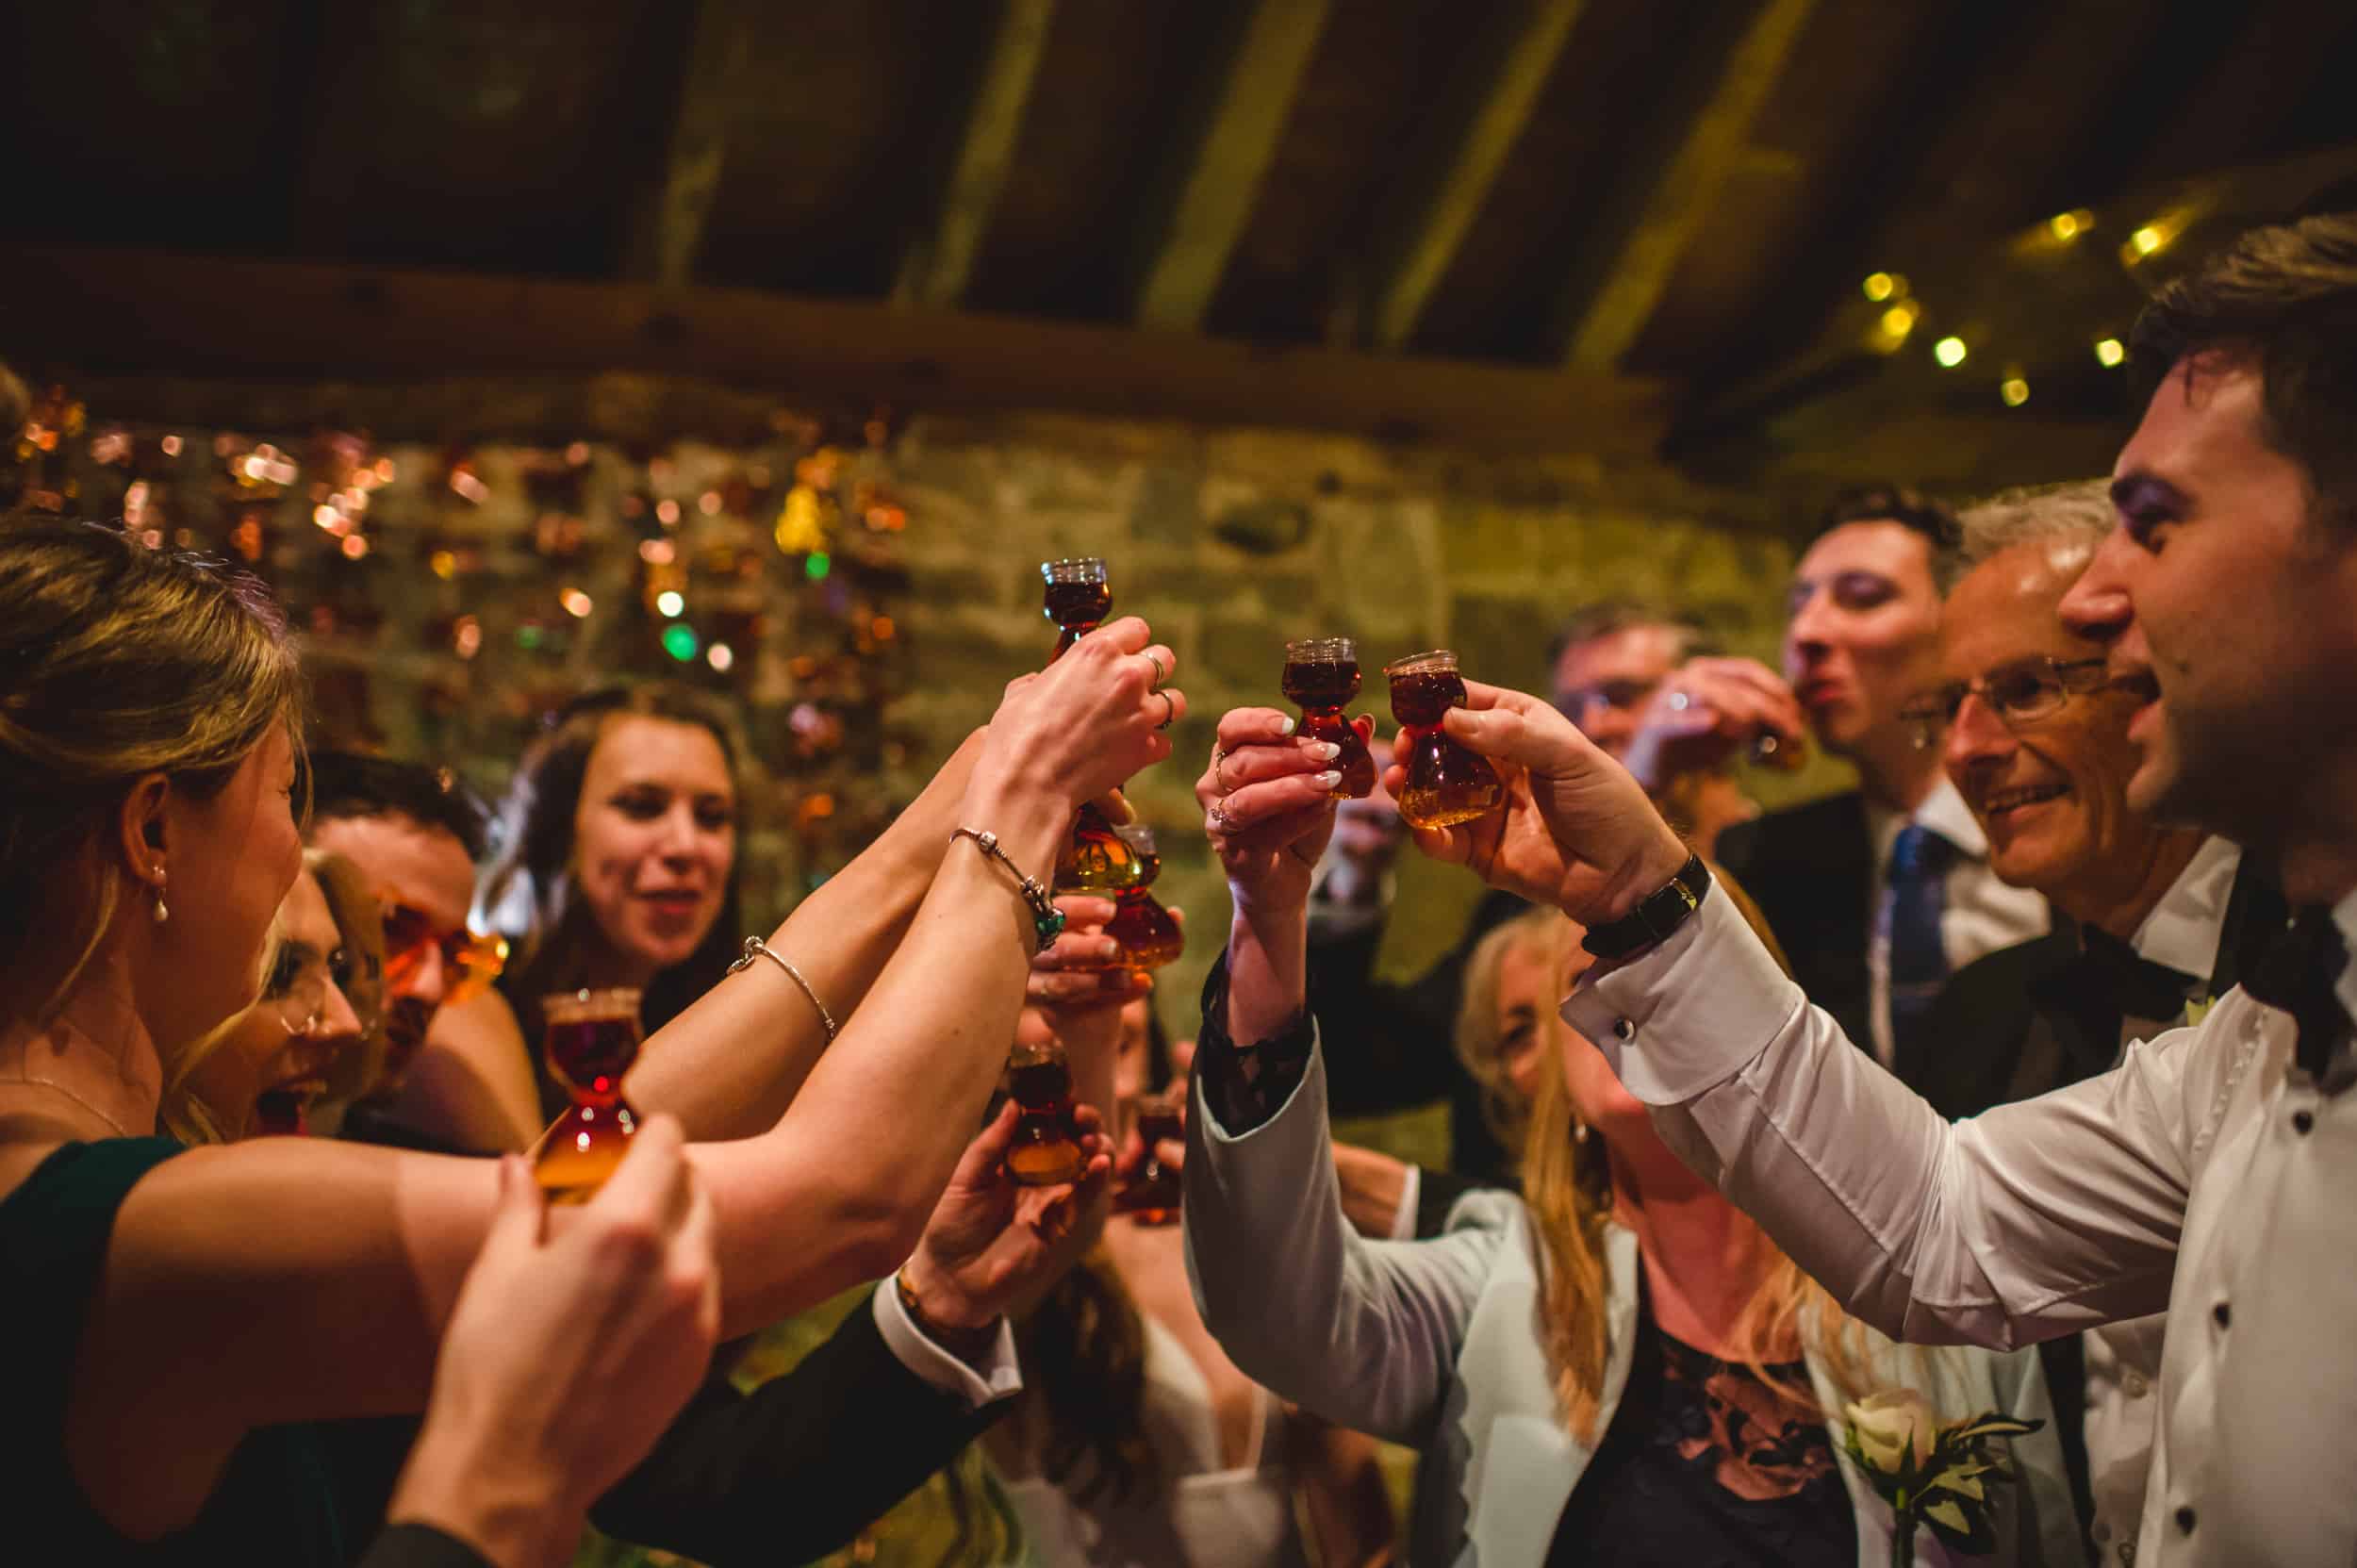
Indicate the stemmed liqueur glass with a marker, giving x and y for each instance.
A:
(1320, 677)
(591, 1041)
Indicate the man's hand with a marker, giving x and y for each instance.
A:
(1574, 830)
(1706, 712)
(993, 1246)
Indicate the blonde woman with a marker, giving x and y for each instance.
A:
(173, 1320)
(1617, 1367)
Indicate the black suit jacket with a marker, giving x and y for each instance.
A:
(1811, 870)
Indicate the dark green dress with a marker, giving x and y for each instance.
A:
(273, 1502)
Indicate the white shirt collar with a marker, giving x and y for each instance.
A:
(2182, 930)
(1943, 811)
(2345, 916)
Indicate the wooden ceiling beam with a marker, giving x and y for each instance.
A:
(937, 265)
(1199, 214)
(1468, 142)
(1639, 240)
(663, 245)
(151, 315)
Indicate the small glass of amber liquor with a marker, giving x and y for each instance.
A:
(1152, 1193)
(1446, 784)
(591, 1041)
(1079, 597)
(1321, 676)
(1146, 936)
(1046, 1149)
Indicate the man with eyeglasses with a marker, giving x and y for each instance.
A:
(1879, 894)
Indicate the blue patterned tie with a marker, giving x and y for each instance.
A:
(1920, 860)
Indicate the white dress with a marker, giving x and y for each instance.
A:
(1203, 1515)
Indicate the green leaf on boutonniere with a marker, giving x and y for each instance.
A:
(2197, 1011)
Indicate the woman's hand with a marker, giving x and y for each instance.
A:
(1089, 720)
(1574, 830)
(1068, 975)
(1267, 807)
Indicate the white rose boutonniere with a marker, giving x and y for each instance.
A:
(1930, 1472)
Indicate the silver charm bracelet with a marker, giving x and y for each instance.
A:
(1046, 919)
(756, 948)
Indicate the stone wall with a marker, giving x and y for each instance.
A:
(1228, 541)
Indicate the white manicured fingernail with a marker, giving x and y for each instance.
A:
(1329, 779)
(1326, 750)
(1290, 725)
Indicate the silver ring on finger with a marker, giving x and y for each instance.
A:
(1170, 711)
(1679, 701)
(1220, 818)
(1160, 673)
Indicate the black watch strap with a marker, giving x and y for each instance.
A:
(1662, 912)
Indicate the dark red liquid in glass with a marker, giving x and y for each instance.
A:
(1322, 687)
(1446, 783)
(1420, 696)
(1044, 1151)
(1152, 1196)
(588, 1055)
(1079, 608)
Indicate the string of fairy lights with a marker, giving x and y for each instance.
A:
(1904, 312)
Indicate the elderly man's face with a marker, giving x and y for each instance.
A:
(2051, 792)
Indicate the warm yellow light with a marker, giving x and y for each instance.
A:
(2065, 226)
(2014, 391)
(720, 655)
(2109, 352)
(1899, 321)
(669, 602)
(444, 562)
(2147, 239)
(577, 603)
(1950, 352)
(1879, 287)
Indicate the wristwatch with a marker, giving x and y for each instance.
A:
(1655, 916)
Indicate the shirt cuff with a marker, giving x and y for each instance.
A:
(1687, 1013)
(994, 1378)
(1411, 1195)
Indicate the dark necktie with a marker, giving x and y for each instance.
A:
(1916, 894)
(2298, 975)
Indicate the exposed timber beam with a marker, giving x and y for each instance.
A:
(1612, 292)
(1200, 213)
(937, 265)
(153, 315)
(663, 247)
(1479, 124)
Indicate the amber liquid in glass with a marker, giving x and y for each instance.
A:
(1146, 936)
(1152, 1196)
(1321, 688)
(1446, 784)
(588, 1051)
(1094, 858)
(1044, 1151)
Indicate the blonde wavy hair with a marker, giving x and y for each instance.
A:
(116, 661)
(1567, 1186)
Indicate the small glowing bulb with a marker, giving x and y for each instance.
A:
(2147, 239)
(1950, 352)
(720, 656)
(2109, 353)
(577, 603)
(2014, 391)
(669, 602)
(1878, 286)
(1897, 321)
(444, 562)
(355, 546)
(2065, 226)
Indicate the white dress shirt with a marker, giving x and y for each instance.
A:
(993, 1378)
(2207, 1175)
(2123, 1359)
(1979, 915)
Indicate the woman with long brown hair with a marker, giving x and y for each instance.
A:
(1615, 1367)
(175, 1318)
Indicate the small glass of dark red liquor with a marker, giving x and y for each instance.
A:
(1047, 1146)
(1446, 783)
(1079, 597)
(1320, 677)
(1152, 1193)
(591, 1040)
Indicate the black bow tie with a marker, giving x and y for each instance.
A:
(2298, 975)
(2133, 984)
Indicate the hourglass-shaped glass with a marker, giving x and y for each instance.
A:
(591, 1041)
(1446, 784)
(1147, 936)
(1152, 1193)
(1094, 860)
(1322, 675)
(1047, 1146)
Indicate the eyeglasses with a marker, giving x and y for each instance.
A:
(1627, 696)
(2019, 693)
(470, 961)
(296, 990)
